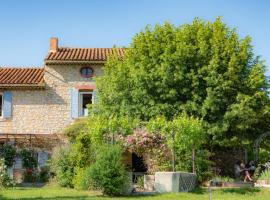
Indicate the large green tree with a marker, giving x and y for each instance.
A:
(203, 69)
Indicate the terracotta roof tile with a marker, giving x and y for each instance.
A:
(82, 54)
(21, 76)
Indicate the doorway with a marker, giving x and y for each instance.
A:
(85, 99)
(138, 167)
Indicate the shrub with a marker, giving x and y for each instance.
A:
(81, 143)
(82, 179)
(5, 181)
(83, 150)
(73, 130)
(79, 178)
(30, 175)
(108, 172)
(62, 164)
(265, 175)
(44, 174)
(202, 162)
(29, 159)
(203, 165)
(262, 172)
(222, 179)
(264, 154)
(8, 152)
(68, 162)
(140, 182)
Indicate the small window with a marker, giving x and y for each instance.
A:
(1, 105)
(87, 72)
(85, 100)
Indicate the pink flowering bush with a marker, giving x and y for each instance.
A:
(152, 147)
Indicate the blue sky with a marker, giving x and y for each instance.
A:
(26, 26)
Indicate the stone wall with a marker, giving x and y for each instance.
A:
(46, 111)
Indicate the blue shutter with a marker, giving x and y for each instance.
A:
(95, 96)
(74, 103)
(7, 110)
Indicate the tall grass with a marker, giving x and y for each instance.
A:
(265, 175)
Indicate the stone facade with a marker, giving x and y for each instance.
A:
(48, 110)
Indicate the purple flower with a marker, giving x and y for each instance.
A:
(129, 140)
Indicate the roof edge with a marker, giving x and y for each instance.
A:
(70, 62)
(22, 86)
(20, 67)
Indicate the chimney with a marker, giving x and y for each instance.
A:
(54, 44)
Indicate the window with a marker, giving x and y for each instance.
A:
(87, 72)
(1, 105)
(85, 99)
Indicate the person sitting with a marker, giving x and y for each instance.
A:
(242, 172)
(245, 169)
(251, 168)
(238, 172)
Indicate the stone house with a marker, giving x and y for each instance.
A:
(37, 103)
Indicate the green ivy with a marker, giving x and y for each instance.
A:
(8, 152)
(29, 158)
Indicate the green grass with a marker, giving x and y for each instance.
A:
(52, 192)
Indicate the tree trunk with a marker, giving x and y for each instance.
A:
(173, 152)
(173, 159)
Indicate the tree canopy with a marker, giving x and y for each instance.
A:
(203, 69)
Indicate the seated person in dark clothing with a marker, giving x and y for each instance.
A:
(251, 167)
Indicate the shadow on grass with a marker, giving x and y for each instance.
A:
(83, 197)
(135, 195)
(32, 185)
(199, 190)
(241, 190)
(21, 188)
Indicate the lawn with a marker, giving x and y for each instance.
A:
(50, 193)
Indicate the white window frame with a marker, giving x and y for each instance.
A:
(81, 102)
(2, 110)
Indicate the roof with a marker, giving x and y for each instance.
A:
(73, 55)
(21, 77)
